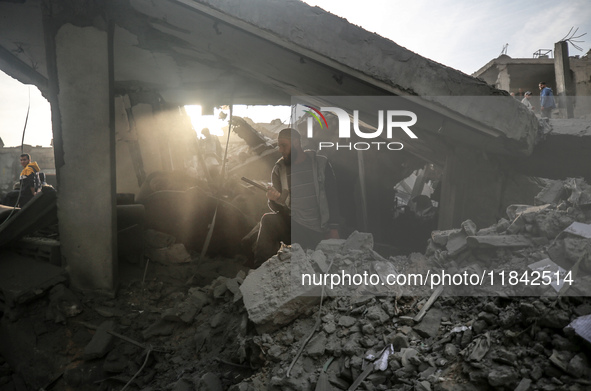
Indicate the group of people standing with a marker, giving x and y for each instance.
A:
(547, 103)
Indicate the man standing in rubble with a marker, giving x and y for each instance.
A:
(547, 103)
(29, 179)
(303, 199)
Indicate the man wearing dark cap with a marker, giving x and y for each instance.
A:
(303, 199)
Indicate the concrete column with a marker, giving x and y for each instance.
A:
(86, 200)
(564, 79)
(472, 189)
(503, 79)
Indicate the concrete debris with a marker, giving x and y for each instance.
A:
(241, 331)
(101, 342)
(273, 295)
(175, 253)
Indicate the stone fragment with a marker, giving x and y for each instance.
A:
(376, 313)
(456, 243)
(347, 321)
(156, 239)
(502, 376)
(406, 321)
(578, 367)
(406, 356)
(423, 386)
(177, 253)
(441, 237)
(469, 228)
(317, 345)
(101, 341)
(274, 294)
(329, 328)
(368, 329)
(450, 351)
(555, 319)
(552, 193)
(359, 241)
(330, 246)
(319, 259)
(429, 326)
(479, 326)
(524, 385)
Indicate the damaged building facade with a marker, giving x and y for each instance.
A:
(117, 75)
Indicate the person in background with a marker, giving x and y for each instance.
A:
(547, 103)
(29, 179)
(526, 101)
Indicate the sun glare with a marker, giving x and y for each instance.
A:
(199, 121)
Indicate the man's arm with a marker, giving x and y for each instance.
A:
(274, 193)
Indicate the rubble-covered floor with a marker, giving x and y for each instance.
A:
(209, 326)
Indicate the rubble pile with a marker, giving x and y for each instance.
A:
(264, 329)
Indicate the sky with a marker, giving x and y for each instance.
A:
(462, 34)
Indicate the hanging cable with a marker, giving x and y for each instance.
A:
(22, 151)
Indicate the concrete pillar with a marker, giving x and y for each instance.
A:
(503, 79)
(472, 189)
(564, 79)
(86, 168)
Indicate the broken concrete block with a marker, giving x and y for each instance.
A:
(578, 366)
(524, 385)
(377, 314)
(156, 239)
(234, 287)
(456, 243)
(429, 326)
(274, 294)
(317, 345)
(331, 245)
(502, 225)
(517, 226)
(502, 376)
(441, 237)
(347, 321)
(177, 253)
(406, 356)
(198, 298)
(319, 259)
(499, 241)
(553, 193)
(359, 241)
(469, 227)
(101, 341)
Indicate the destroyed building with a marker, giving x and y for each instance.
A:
(116, 75)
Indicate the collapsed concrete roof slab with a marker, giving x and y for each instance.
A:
(263, 52)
